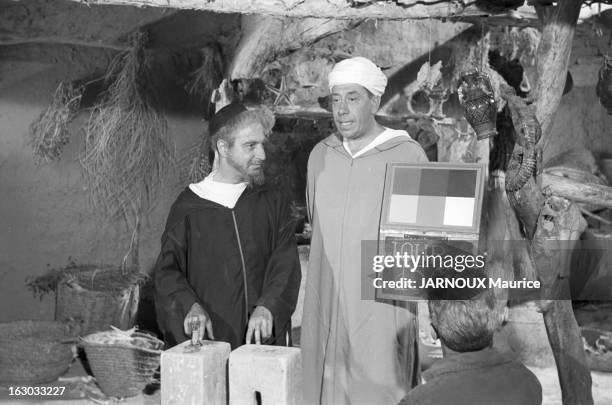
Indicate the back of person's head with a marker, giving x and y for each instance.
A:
(466, 325)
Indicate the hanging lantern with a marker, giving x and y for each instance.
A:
(477, 98)
(604, 85)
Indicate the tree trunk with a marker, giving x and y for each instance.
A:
(553, 59)
(559, 228)
(553, 223)
(264, 37)
(566, 343)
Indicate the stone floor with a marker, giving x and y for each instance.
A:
(602, 386)
(83, 391)
(602, 390)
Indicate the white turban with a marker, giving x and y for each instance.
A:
(358, 70)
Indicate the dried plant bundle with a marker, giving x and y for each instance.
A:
(127, 148)
(520, 43)
(201, 166)
(208, 76)
(128, 338)
(468, 55)
(194, 163)
(49, 133)
(93, 277)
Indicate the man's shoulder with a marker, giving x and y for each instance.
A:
(408, 142)
(330, 141)
(270, 194)
(421, 395)
(321, 151)
(497, 379)
(520, 373)
(403, 144)
(186, 200)
(185, 203)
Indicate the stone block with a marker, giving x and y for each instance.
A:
(198, 377)
(268, 375)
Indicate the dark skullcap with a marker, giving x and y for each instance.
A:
(223, 116)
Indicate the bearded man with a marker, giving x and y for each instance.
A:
(355, 350)
(228, 266)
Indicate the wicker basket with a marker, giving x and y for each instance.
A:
(34, 352)
(123, 369)
(98, 297)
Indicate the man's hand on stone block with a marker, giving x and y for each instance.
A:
(260, 325)
(196, 321)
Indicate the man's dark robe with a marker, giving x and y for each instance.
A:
(200, 261)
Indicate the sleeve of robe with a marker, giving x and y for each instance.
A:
(310, 186)
(173, 294)
(283, 272)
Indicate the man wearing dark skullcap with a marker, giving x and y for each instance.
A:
(228, 268)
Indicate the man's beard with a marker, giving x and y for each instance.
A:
(257, 179)
(253, 178)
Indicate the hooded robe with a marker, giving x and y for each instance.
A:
(201, 260)
(354, 350)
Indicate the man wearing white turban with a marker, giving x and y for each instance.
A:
(354, 350)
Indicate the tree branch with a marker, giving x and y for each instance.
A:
(587, 193)
(390, 10)
(264, 37)
(60, 41)
(559, 25)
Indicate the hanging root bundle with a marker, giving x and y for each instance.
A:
(195, 163)
(49, 133)
(520, 43)
(208, 76)
(469, 55)
(127, 148)
(201, 165)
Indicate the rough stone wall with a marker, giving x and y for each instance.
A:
(580, 120)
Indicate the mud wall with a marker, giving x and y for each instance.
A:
(45, 216)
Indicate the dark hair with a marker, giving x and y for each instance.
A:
(467, 325)
(260, 115)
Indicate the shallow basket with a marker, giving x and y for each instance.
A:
(122, 369)
(98, 297)
(34, 352)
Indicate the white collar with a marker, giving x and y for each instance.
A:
(381, 138)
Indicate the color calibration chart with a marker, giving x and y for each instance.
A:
(433, 197)
(429, 210)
